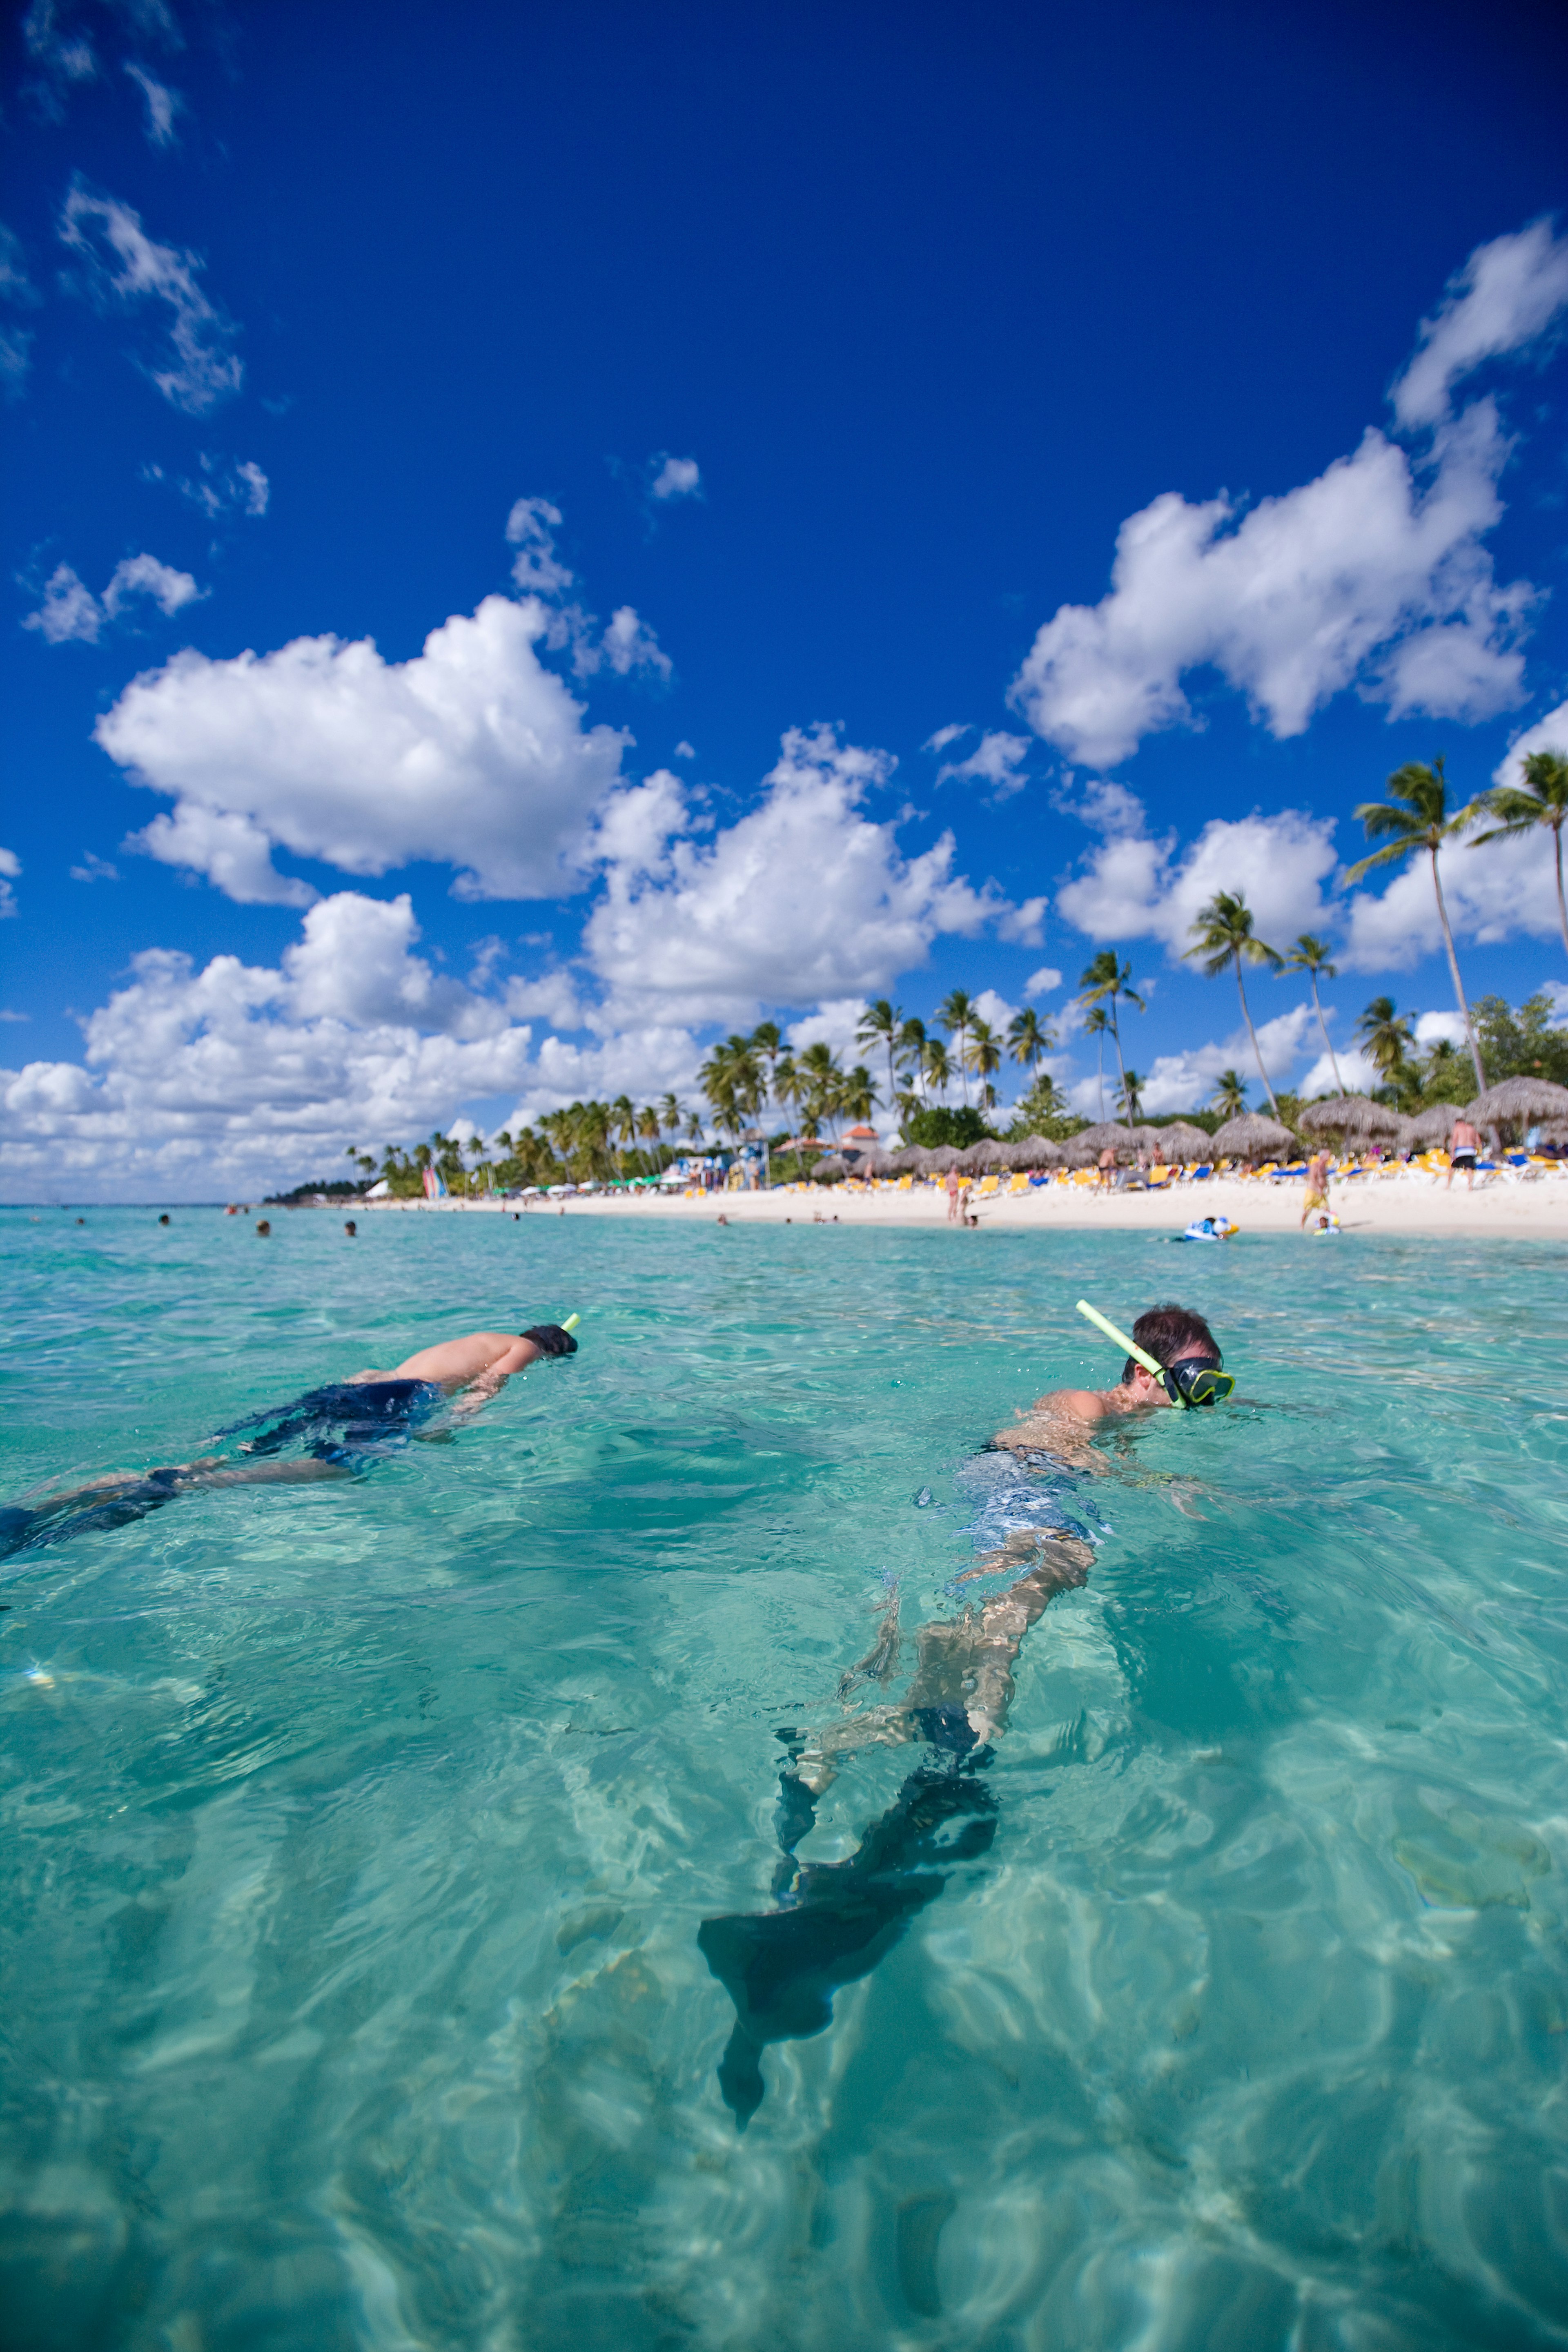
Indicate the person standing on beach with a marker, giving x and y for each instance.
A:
(1464, 1150)
(1317, 1191)
(952, 1188)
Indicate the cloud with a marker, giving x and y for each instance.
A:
(805, 900)
(627, 644)
(123, 267)
(1041, 983)
(472, 753)
(684, 750)
(1548, 734)
(10, 869)
(994, 1008)
(530, 528)
(17, 289)
(672, 478)
(162, 105)
(834, 1024)
(1508, 295)
(70, 610)
(226, 486)
(994, 761)
(1360, 1074)
(1136, 887)
(1446, 1027)
(94, 869)
(1185, 1081)
(1363, 578)
(1492, 893)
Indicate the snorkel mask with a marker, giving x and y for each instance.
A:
(1197, 1380)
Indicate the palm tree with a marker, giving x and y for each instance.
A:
(1131, 1097)
(983, 1053)
(1095, 1023)
(671, 1114)
(1028, 1039)
(1229, 1094)
(1225, 935)
(912, 1046)
(1312, 956)
(649, 1127)
(1107, 979)
(1542, 799)
(935, 1066)
(881, 1024)
(823, 1081)
(857, 1094)
(623, 1114)
(1415, 816)
(1385, 1035)
(766, 1041)
(956, 1014)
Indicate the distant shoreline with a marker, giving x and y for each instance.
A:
(1536, 1210)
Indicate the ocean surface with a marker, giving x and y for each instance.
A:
(356, 1841)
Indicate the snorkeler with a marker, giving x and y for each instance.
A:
(340, 1429)
(835, 1921)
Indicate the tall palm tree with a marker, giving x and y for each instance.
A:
(623, 1118)
(823, 1081)
(648, 1128)
(1096, 1022)
(1224, 934)
(881, 1024)
(936, 1065)
(767, 1045)
(1106, 979)
(1385, 1035)
(983, 1053)
(1312, 956)
(956, 1014)
(857, 1095)
(1132, 1096)
(671, 1114)
(1028, 1039)
(1415, 816)
(911, 1047)
(1542, 799)
(1229, 1094)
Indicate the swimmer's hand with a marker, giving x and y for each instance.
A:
(551, 1340)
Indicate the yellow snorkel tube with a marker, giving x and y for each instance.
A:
(572, 1323)
(1204, 1385)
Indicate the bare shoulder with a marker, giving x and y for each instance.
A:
(1057, 1424)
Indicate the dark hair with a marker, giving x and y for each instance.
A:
(1167, 1332)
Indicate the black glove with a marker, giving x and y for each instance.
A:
(552, 1339)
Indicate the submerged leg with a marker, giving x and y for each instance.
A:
(117, 1501)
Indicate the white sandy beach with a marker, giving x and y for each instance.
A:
(1533, 1209)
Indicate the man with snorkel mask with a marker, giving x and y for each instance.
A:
(1176, 1361)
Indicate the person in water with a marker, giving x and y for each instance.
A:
(833, 1922)
(329, 1432)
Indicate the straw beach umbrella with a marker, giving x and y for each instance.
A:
(1355, 1117)
(1427, 1127)
(1252, 1136)
(833, 1164)
(937, 1163)
(1107, 1135)
(1037, 1151)
(1517, 1102)
(1181, 1142)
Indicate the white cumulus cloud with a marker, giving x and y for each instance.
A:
(1137, 886)
(162, 105)
(1548, 734)
(1041, 983)
(803, 900)
(1370, 576)
(674, 478)
(471, 754)
(70, 610)
(123, 267)
(1508, 295)
(997, 760)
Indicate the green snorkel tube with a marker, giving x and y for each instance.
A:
(1185, 1385)
(572, 1323)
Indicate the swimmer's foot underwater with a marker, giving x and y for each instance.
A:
(335, 1432)
(838, 1919)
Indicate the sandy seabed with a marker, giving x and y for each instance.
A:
(1534, 1209)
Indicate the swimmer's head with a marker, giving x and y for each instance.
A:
(1181, 1340)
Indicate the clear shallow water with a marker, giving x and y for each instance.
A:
(356, 1841)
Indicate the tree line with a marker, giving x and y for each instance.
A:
(748, 1075)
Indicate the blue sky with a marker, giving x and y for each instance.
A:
(745, 400)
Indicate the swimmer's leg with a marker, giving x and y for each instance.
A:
(124, 1497)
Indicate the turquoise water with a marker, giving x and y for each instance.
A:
(356, 1840)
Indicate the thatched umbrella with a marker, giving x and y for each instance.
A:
(986, 1154)
(1252, 1136)
(1037, 1151)
(1108, 1134)
(831, 1164)
(1079, 1153)
(1181, 1142)
(1427, 1127)
(1554, 1131)
(1355, 1116)
(937, 1163)
(1517, 1102)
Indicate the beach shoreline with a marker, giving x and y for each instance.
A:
(1533, 1211)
